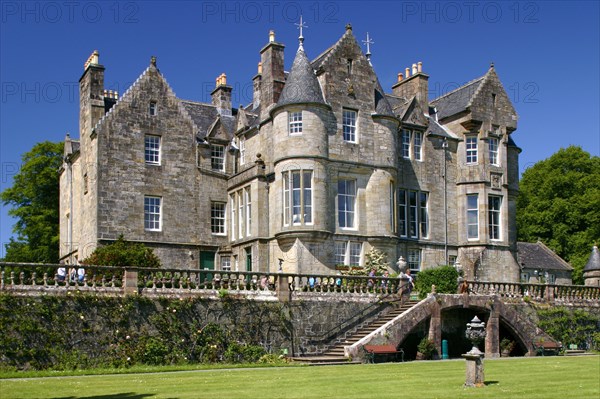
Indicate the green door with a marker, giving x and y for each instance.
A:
(249, 259)
(207, 262)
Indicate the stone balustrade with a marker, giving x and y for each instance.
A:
(538, 292)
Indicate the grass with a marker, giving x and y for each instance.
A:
(542, 377)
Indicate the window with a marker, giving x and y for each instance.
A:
(471, 148)
(226, 263)
(406, 144)
(241, 214)
(414, 259)
(295, 122)
(417, 142)
(152, 110)
(242, 150)
(354, 255)
(493, 147)
(152, 213)
(494, 203)
(248, 200)
(152, 150)
(217, 218)
(217, 157)
(233, 210)
(402, 213)
(472, 216)
(349, 65)
(411, 144)
(340, 252)
(348, 253)
(346, 202)
(297, 197)
(424, 215)
(413, 213)
(349, 125)
(392, 208)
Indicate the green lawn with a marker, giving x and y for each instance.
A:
(542, 377)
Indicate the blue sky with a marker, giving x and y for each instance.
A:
(546, 53)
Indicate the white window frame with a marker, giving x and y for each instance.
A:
(297, 199)
(233, 212)
(423, 214)
(350, 125)
(152, 213)
(405, 143)
(295, 123)
(493, 151)
(248, 203)
(217, 218)
(471, 143)
(347, 197)
(414, 260)
(495, 217)
(226, 263)
(241, 213)
(152, 149)
(349, 253)
(402, 213)
(242, 150)
(417, 145)
(217, 157)
(472, 204)
(413, 214)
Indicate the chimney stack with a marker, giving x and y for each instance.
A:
(272, 75)
(221, 95)
(91, 94)
(413, 85)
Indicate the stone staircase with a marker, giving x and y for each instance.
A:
(335, 354)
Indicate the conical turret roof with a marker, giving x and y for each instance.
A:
(301, 85)
(593, 262)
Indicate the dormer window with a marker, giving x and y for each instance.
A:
(152, 110)
(295, 123)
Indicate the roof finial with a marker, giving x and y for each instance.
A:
(368, 42)
(153, 61)
(492, 65)
(301, 38)
(348, 26)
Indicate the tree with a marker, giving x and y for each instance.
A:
(34, 197)
(559, 204)
(123, 253)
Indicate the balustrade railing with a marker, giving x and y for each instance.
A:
(541, 292)
(31, 277)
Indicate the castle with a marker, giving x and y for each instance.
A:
(319, 168)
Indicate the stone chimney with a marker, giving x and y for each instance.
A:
(413, 85)
(221, 95)
(256, 81)
(91, 94)
(272, 77)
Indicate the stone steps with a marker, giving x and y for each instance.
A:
(335, 354)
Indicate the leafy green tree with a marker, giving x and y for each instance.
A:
(34, 198)
(559, 204)
(123, 253)
(445, 279)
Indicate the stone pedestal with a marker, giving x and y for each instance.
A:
(474, 375)
(130, 282)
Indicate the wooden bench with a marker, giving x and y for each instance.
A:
(386, 351)
(547, 348)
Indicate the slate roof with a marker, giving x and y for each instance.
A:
(382, 105)
(538, 256)
(301, 85)
(435, 129)
(593, 262)
(399, 104)
(457, 100)
(203, 115)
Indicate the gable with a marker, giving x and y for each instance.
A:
(414, 114)
(491, 102)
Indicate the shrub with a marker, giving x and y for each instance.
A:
(444, 278)
(123, 253)
(569, 327)
(427, 348)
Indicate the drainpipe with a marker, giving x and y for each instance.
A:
(445, 147)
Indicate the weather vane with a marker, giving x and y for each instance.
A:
(368, 42)
(300, 26)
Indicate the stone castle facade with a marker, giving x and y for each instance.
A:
(319, 168)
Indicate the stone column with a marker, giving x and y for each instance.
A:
(435, 327)
(474, 374)
(492, 337)
(130, 282)
(283, 288)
